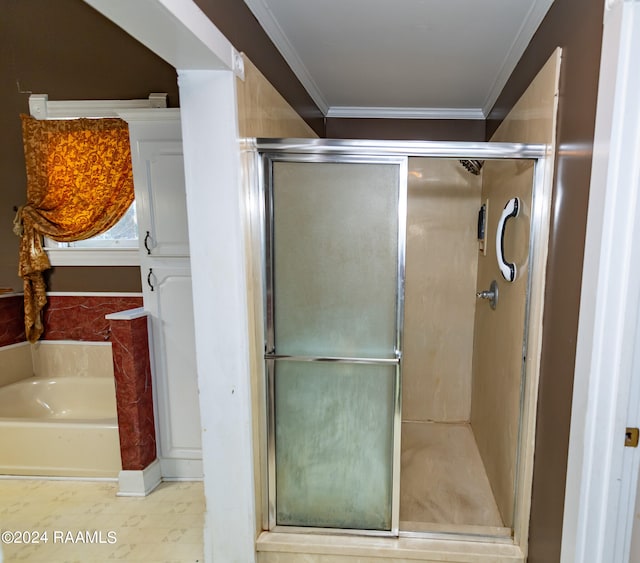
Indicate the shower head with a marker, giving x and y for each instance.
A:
(472, 166)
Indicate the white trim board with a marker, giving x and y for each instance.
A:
(93, 256)
(41, 107)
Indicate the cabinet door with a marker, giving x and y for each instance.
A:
(164, 225)
(168, 298)
(158, 170)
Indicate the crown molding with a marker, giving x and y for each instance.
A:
(271, 26)
(532, 21)
(404, 113)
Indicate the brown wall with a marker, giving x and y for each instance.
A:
(94, 278)
(576, 26)
(69, 51)
(406, 129)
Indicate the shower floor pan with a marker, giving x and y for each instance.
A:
(445, 497)
(444, 486)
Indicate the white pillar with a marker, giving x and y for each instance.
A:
(216, 238)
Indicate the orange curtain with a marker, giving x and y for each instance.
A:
(79, 184)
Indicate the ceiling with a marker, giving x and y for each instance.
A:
(438, 59)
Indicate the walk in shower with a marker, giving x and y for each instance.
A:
(397, 292)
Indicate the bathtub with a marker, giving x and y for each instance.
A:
(59, 426)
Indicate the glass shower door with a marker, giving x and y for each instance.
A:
(335, 247)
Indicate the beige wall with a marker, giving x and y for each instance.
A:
(498, 335)
(262, 111)
(53, 358)
(441, 262)
(15, 360)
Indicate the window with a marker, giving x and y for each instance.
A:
(116, 247)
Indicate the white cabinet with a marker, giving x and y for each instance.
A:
(168, 299)
(158, 170)
(160, 200)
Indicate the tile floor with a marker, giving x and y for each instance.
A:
(164, 527)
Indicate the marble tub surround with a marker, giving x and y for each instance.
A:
(11, 319)
(82, 317)
(132, 371)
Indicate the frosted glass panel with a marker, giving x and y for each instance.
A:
(334, 441)
(335, 258)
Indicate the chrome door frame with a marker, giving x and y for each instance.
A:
(327, 150)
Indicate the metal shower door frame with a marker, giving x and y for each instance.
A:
(321, 150)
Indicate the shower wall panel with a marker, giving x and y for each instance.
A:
(262, 111)
(498, 335)
(441, 264)
(495, 412)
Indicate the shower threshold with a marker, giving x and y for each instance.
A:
(444, 487)
(277, 547)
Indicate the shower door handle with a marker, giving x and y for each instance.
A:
(507, 269)
(334, 359)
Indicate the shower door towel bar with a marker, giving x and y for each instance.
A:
(339, 360)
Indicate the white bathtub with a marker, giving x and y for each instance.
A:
(59, 426)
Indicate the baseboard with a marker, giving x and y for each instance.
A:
(173, 469)
(132, 483)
